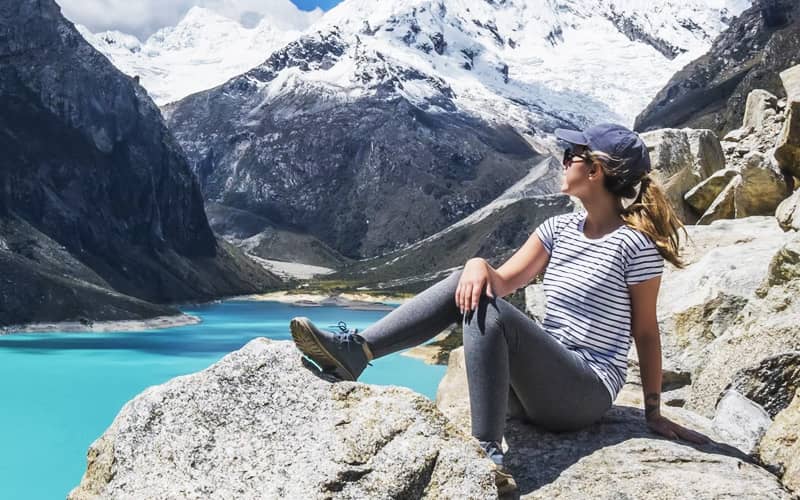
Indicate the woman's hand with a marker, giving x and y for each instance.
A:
(474, 278)
(667, 428)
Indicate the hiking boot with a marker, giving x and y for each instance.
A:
(502, 477)
(343, 354)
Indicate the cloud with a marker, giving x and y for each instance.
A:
(143, 17)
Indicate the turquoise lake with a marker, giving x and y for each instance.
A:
(60, 391)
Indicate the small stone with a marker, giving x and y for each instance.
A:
(723, 206)
(736, 135)
(740, 421)
(759, 104)
(702, 195)
(788, 212)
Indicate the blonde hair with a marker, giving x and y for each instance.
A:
(651, 212)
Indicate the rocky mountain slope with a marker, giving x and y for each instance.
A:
(202, 51)
(261, 237)
(711, 91)
(89, 164)
(385, 124)
(494, 232)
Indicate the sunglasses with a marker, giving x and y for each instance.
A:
(570, 154)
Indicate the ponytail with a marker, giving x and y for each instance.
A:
(653, 215)
(650, 211)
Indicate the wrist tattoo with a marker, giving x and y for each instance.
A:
(651, 404)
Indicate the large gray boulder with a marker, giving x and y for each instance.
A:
(681, 159)
(788, 146)
(762, 188)
(760, 105)
(257, 424)
(617, 457)
(766, 326)
(726, 263)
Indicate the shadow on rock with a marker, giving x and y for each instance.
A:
(620, 454)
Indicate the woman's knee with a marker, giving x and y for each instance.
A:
(486, 316)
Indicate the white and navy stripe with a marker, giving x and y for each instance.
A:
(586, 284)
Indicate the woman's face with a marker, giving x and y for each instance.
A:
(576, 172)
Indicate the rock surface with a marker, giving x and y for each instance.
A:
(703, 194)
(257, 424)
(771, 383)
(788, 212)
(780, 446)
(726, 263)
(724, 205)
(739, 421)
(760, 104)
(766, 326)
(788, 147)
(681, 159)
(762, 188)
(617, 457)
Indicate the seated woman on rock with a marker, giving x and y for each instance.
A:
(602, 267)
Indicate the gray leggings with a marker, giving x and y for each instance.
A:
(509, 357)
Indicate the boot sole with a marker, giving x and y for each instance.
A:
(309, 345)
(505, 483)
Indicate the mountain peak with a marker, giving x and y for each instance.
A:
(197, 14)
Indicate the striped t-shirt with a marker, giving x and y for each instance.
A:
(586, 284)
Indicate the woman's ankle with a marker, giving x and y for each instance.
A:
(493, 450)
(367, 349)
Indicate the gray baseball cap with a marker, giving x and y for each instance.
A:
(612, 139)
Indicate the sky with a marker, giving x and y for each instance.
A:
(143, 17)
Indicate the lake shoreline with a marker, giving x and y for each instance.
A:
(360, 301)
(355, 301)
(158, 322)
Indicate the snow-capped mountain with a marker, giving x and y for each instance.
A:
(576, 59)
(617, 53)
(202, 51)
(387, 121)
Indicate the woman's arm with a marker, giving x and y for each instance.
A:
(520, 269)
(644, 329)
(528, 261)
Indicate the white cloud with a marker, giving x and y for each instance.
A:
(143, 17)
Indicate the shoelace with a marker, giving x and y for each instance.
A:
(347, 337)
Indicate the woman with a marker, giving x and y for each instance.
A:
(602, 274)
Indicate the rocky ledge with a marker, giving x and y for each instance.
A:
(258, 424)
